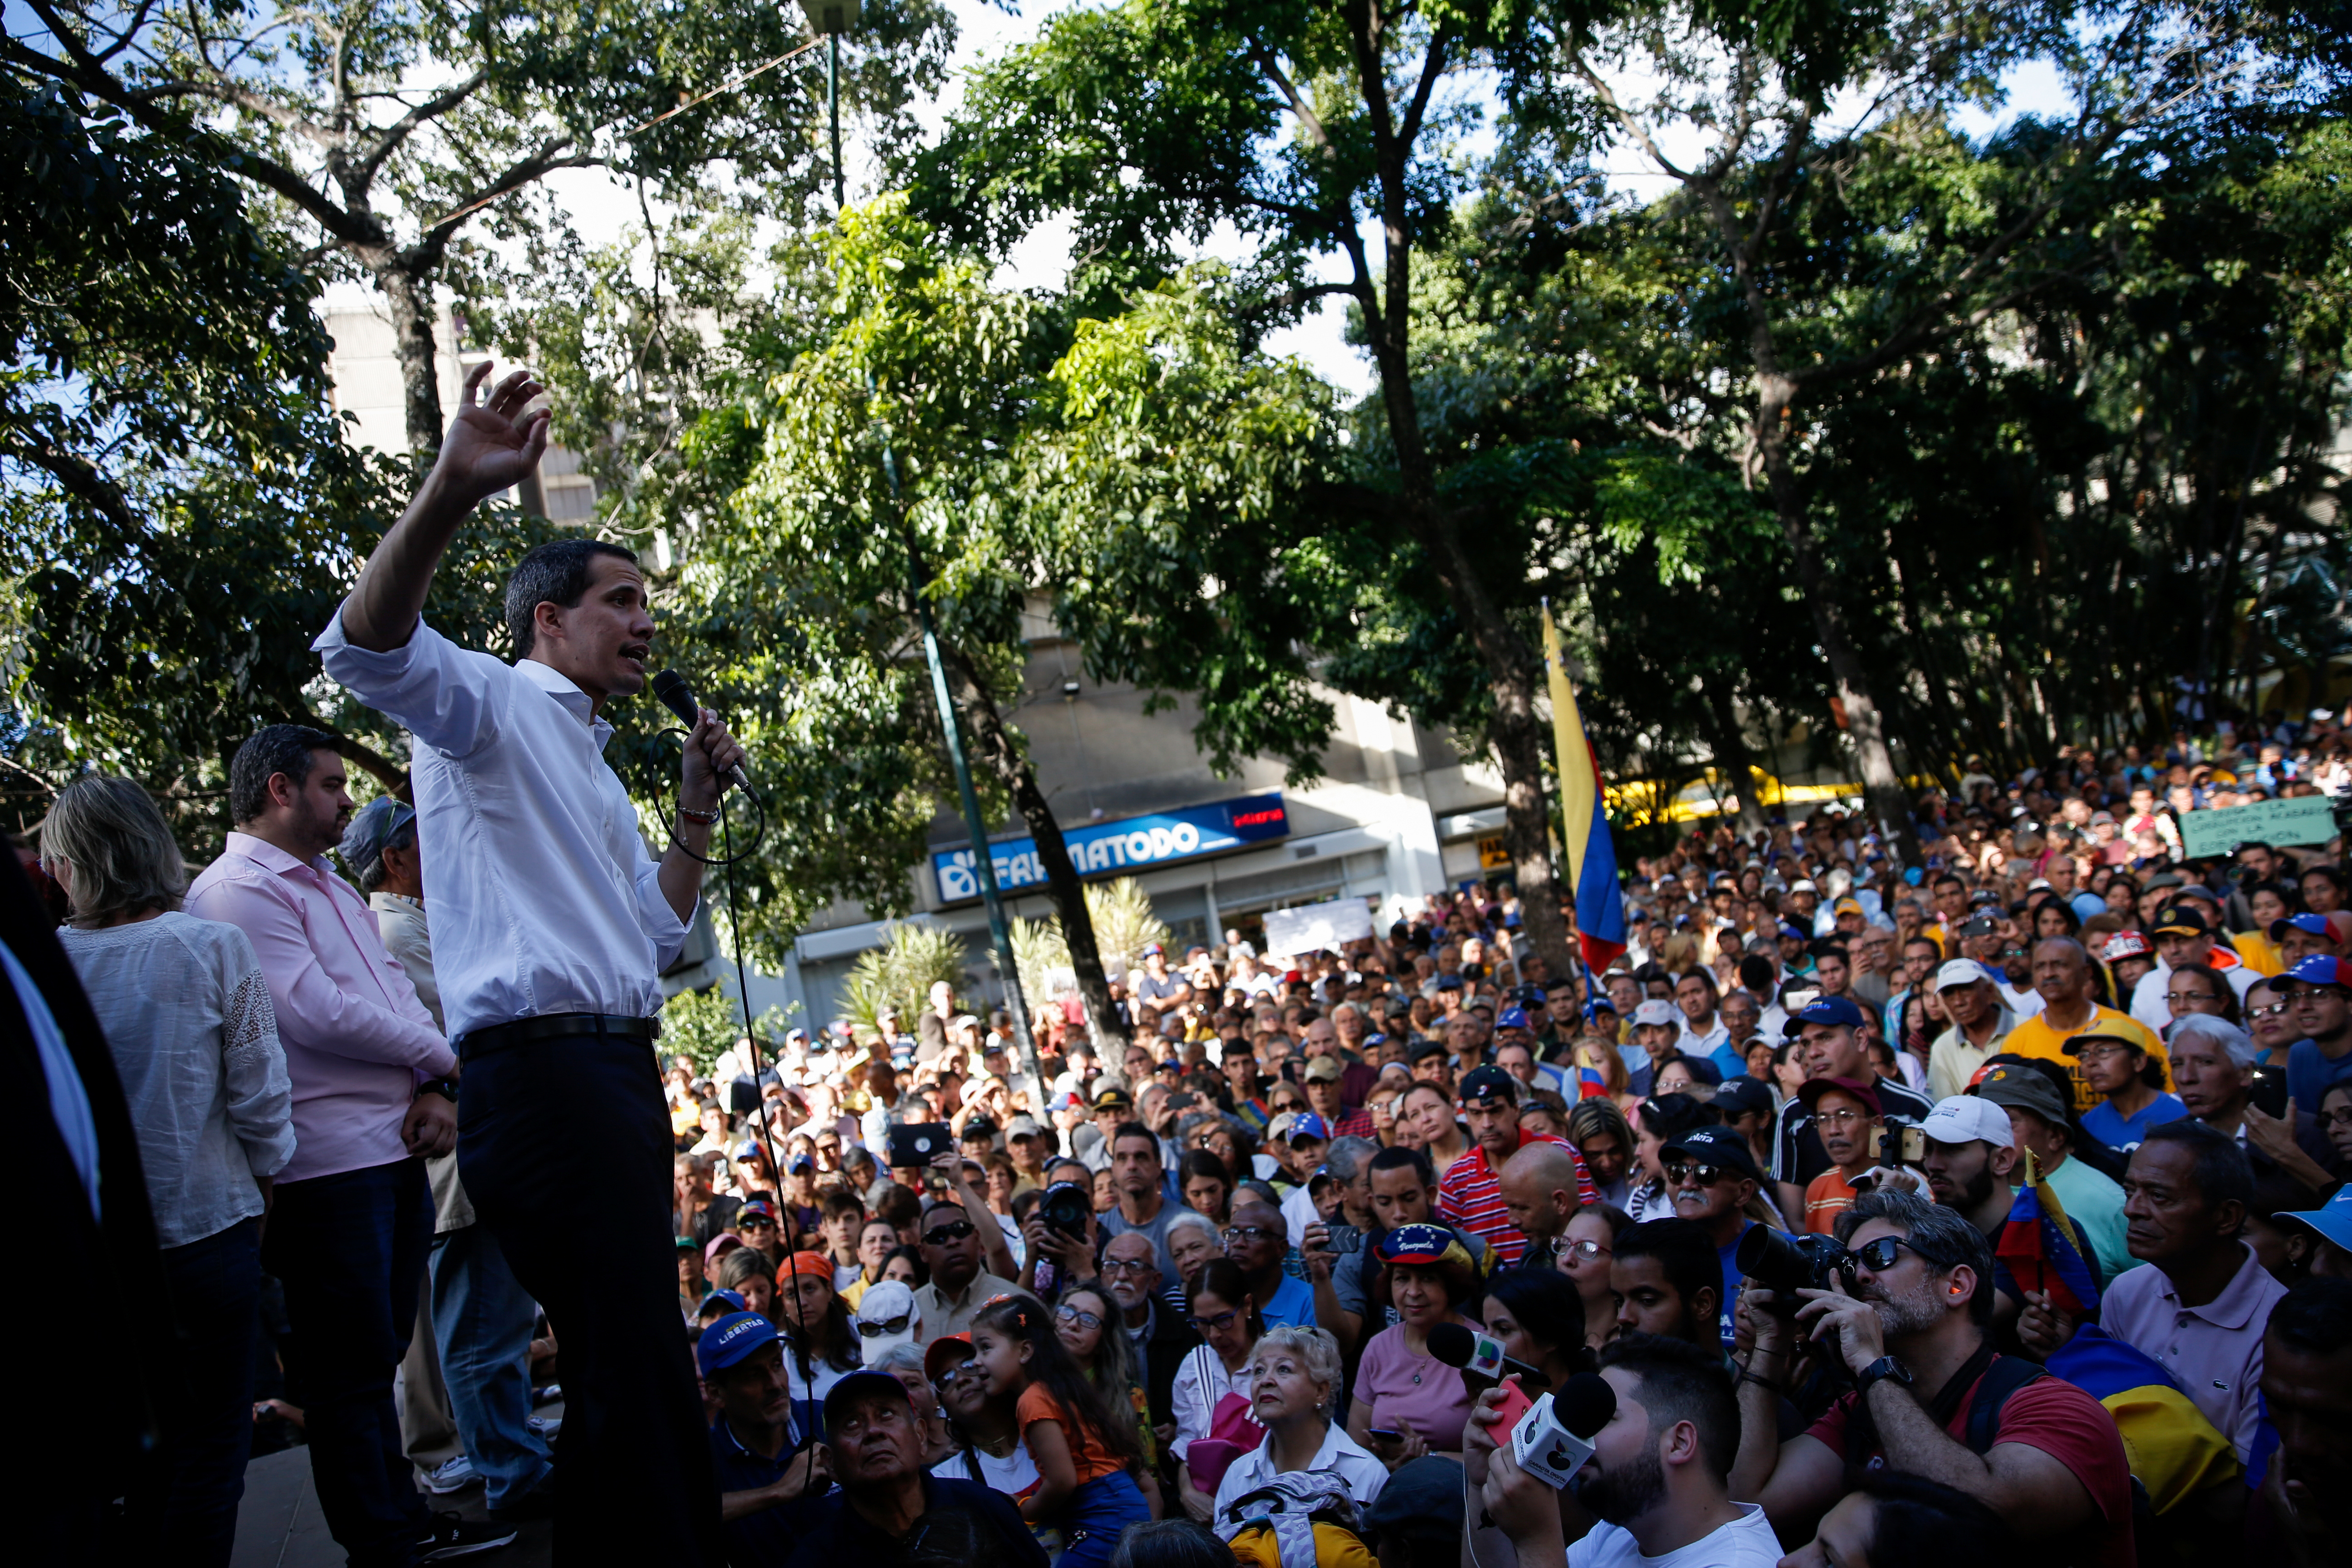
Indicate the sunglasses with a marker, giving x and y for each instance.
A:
(940, 1235)
(897, 1325)
(1687, 1173)
(1083, 1320)
(755, 1223)
(1881, 1255)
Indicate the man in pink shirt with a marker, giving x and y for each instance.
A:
(374, 1090)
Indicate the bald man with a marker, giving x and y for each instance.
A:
(1539, 1186)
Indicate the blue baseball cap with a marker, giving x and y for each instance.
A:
(730, 1339)
(1449, 982)
(1597, 1005)
(1832, 1010)
(734, 1299)
(2332, 1219)
(371, 828)
(1791, 931)
(1309, 1125)
(798, 1164)
(1512, 1018)
(2314, 925)
(2320, 969)
(1716, 1145)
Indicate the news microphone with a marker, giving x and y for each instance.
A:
(1554, 1438)
(676, 696)
(1481, 1356)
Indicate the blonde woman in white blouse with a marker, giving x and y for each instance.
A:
(188, 1022)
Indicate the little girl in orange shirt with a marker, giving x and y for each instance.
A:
(1081, 1452)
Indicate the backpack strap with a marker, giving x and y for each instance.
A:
(2004, 1377)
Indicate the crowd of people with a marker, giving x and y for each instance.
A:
(1854, 1213)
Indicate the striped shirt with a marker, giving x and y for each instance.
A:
(1469, 1196)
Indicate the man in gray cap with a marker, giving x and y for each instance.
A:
(2038, 1116)
(475, 1316)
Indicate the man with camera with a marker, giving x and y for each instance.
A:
(1908, 1311)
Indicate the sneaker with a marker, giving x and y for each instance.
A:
(451, 1476)
(544, 1426)
(450, 1537)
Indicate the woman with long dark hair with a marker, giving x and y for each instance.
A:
(1087, 1322)
(819, 1344)
(1538, 1314)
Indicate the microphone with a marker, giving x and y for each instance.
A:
(1481, 1356)
(1554, 1438)
(676, 696)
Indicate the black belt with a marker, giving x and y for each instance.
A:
(477, 1043)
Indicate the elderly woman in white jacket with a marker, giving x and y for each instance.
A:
(1294, 1376)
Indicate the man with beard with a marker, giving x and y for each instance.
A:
(1933, 1399)
(1161, 1335)
(1658, 1478)
(1971, 1151)
(888, 1512)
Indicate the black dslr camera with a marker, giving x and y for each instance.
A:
(1065, 1207)
(1787, 1264)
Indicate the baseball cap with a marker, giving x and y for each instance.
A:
(1489, 1083)
(1066, 1100)
(863, 1384)
(2316, 925)
(1837, 1011)
(1114, 1100)
(1717, 1146)
(371, 828)
(885, 1302)
(757, 1208)
(1152, 949)
(733, 1300)
(2223, 1033)
(977, 1126)
(2320, 969)
(2112, 1026)
(2332, 1220)
(798, 1164)
(1322, 1070)
(1656, 1013)
(1791, 931)
(1428, 1049)
(1023, 1127)
(1804, 885)
(1511, 1018)
(944, 1352)
(2024, 1087)
(730, 1339)
(1848, 907)
(726, 1241)
(1742, 1095)
(2179, 920)
(1965, 1119)
(1599, 1006)
(1959, 972)
(1449, 982)
(1307, 1124)
(2126, 945)
(1811, 1091)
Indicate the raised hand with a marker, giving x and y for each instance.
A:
(495, 441)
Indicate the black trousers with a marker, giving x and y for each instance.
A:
(565, 1146)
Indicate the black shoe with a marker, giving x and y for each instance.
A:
(451, 1536)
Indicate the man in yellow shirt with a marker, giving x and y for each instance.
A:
(2062, 974)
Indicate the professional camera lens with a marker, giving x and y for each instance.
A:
(1787, 1264)
(1066, 1206)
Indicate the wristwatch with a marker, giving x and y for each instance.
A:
(447, 1087)
(1885, 1367)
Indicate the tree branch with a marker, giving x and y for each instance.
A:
(400, 129)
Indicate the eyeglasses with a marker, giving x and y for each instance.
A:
(1586, 1251)
(1083, 1319)
(1881, 1255)
(1685, 1172)
(897, 1325)
(1249, 1232)
(1840, 1118)
(940, 1235)
(1223, 1319)
(2269, 1010)
(1128, 1265)
(2101, 1053)
(2342, 1118)
(2188, 998)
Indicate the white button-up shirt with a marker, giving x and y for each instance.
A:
(1340, 1454)
(544, 896)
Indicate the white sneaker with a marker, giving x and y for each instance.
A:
(450, 1476)
(544, 1426)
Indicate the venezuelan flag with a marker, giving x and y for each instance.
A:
(2038, 1244)
(1584, 820)
(2174, 1450)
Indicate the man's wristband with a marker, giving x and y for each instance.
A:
(1766, 1383)
(699, 818)
(447, 1087)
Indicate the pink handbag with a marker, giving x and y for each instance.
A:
(1233, 1432)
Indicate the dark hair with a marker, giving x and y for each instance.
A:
(1683, 1382)
(1755, 973)
(1056, 1370)
(2225, 1174)
(1203, 1163)
(1545, 1304)
(1134, 1129)
(1927, 1524)
(900, 1206)
(1672, 1115)
(1397, 1157)
(2315, 1316)
(1941, 1237)
(836, 1201)
(274, 749)
(1685, 1254)
(555, 572)
(2223, 993)
(1170, 1543)
(2329, 874)
(913, 1255)
(1222, 1278)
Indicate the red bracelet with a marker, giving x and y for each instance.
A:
(699, 818)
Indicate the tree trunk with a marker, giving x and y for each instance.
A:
(1005, 758)
(410, 299)
(1730, 746)
(1889, 801)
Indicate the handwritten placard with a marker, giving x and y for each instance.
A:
(2303, 819)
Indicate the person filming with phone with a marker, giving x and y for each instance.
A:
(1908, 1310)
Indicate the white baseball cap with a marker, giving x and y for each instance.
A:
(1654, 1011)
(1965, 1118)
(1960, 972)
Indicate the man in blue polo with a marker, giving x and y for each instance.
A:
(769, 1481)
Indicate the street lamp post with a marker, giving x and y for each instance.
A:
(832, 18)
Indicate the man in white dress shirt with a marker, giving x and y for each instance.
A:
(552, 926)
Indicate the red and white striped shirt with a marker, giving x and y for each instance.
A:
(1470, 1196)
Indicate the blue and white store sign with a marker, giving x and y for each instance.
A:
(1106, 848)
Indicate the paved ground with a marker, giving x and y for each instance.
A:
(280, 1525)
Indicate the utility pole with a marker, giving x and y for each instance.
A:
(832, 18)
